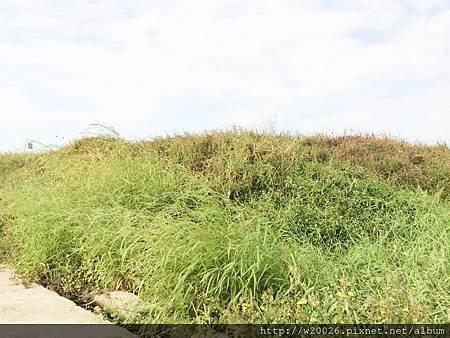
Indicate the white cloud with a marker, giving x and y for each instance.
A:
(147, 67)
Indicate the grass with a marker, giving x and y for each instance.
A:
(237, 226)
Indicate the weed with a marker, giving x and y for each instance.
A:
(237, 226)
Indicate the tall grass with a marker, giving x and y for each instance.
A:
(238, 226)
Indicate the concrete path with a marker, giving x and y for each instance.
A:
(38, 305)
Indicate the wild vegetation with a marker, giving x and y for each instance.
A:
(237, 226)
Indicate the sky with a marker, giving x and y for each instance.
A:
(156, 67)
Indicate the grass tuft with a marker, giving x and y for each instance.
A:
(237, 226)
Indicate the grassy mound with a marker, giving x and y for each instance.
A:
(238, 226)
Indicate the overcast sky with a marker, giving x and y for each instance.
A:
(151, 67)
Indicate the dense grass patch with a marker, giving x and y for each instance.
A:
(238, 226)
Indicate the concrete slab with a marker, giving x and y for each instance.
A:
(38, 305)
